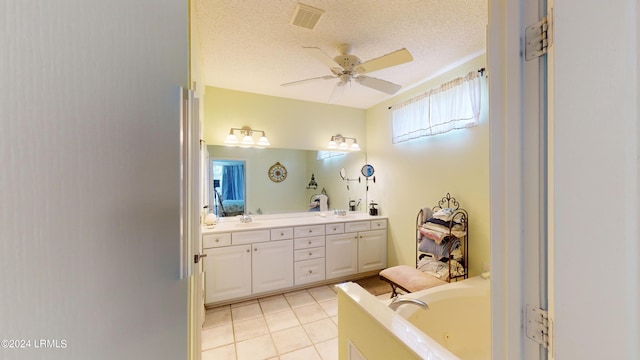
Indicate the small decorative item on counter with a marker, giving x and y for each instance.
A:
(210, 219)
(372, 209)
(340, 212)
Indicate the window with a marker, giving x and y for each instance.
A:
(453, 105)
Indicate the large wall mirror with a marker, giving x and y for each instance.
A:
(262, 195)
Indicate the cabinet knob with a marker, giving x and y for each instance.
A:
(281, 234)
(310, 231)
(310, 254)
(248, 250)
(309, 242)
(310, 272)
(255, 249)
(217, 240)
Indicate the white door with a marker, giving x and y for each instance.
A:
(341, 255)
(272, 265)
(595, 167)
(227, 272)
(372, 250)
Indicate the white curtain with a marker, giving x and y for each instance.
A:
(454, 105)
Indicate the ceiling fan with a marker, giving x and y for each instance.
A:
(347, 67)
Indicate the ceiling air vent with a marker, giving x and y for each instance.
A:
(306, 16)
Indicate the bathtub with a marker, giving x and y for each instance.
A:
(459, 317)
(457, 324)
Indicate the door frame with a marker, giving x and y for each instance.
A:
(510, 163)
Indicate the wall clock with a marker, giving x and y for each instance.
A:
(277, 172)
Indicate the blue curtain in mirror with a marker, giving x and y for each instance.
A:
(233, 182)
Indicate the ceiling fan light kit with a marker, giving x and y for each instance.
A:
(347, 67)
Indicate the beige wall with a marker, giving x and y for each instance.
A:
(289, 124)
(418, 173)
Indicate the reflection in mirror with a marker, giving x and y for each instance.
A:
(263, 196)
(228, 187)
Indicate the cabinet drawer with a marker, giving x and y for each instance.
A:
(248, 237)
(309, 242)
(281, 233)
(378, 224)
(355, 226)
(308, 271)
(305, 231)
(216, 240)
(306, 254)
(336, 228)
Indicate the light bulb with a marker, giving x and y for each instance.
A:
(247, 140)
(231, 139)
(263, 141)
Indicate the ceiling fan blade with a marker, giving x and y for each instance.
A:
(378, 84)
(392, 59)
(337, 92)
(323, 58)
(326, 77)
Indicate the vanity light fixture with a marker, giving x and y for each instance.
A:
(343, 143)
(247, 138)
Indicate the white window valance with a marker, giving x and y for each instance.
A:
(453, 105)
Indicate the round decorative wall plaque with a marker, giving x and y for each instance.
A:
(367, 170)
(277, 172)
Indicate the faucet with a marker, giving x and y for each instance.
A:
(396, 302)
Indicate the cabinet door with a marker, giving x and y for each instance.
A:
(341, 255)
(372, 250)
(272, 265)
(227, 272)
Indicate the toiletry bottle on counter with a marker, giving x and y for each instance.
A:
(323, 202)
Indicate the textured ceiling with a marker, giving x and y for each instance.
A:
(250, 45)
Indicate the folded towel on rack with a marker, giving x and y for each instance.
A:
(438, 233)
(454, 225)
(445, 214)
(442, 250)
(440, 269)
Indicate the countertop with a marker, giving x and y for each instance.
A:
(284, 220)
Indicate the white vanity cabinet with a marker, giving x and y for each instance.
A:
(227, 272)
(272, 265)
(342, 255)
(309, 263)
(358, 250)
(372, 250)
(265, 258)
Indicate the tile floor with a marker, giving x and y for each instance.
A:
(291, 326)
